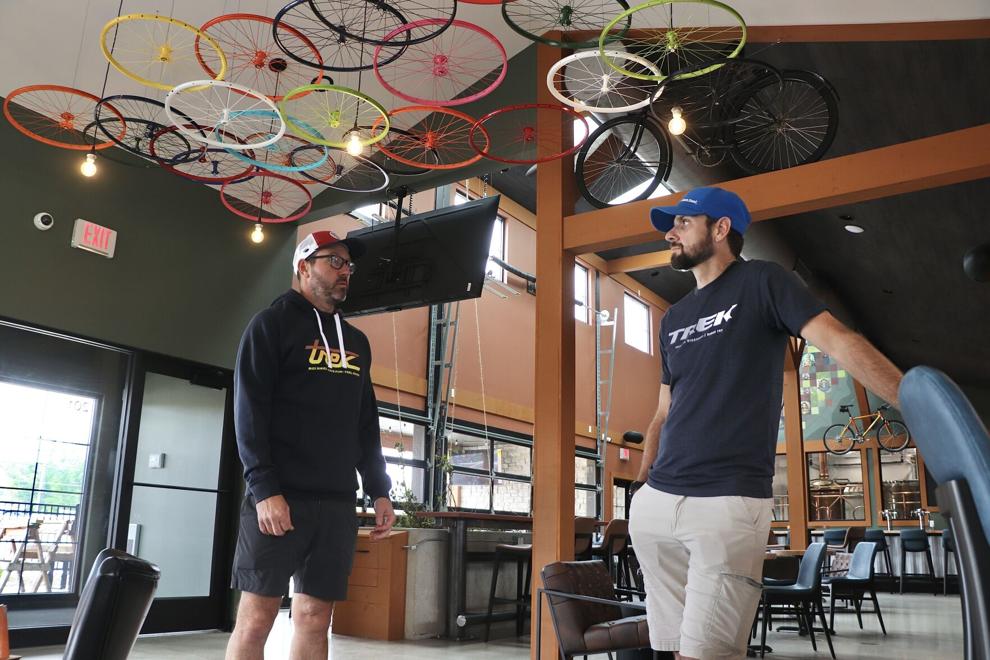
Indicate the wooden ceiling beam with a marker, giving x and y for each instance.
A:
(931, 162)
(638, 262)
(848, 32)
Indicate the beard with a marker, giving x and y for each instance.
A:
(687, 260)
(330, 294)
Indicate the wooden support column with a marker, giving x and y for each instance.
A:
(553, 438)
(797, 472)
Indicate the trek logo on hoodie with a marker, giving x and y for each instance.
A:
(321, 360)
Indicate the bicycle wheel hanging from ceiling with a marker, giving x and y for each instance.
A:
(201, 163)
(266, 197)
(254, 59)
(564, 23)
(217, 104)
(511, 135)
(464, 64)
(354, 174)
(58, 116)
(708, 105)
(275, 157)
(710, 101)
(160, 51)
(623, 160)
(784, 126)
(337, 51)
(371, 20)
(676, 35)
(585, 82)
(396, 168)
(331, 115)
(433, 138)
(143, 118)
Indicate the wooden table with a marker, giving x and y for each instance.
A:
(458, 522)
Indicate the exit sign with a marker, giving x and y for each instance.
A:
(92, 237)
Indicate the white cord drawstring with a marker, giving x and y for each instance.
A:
(340, 339)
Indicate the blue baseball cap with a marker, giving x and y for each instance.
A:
(713, 202)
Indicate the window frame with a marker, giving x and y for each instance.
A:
(627, 296)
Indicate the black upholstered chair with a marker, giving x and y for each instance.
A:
(916, 541)
(877, 536)
(112, 607)
(805, 595)
(587, 618)
(948, 546)
(856, 584)
(956, 447)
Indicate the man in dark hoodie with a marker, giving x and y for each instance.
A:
(306, 421)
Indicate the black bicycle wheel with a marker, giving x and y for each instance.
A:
(838, 440)
(784, 127)
(623, 160)
(893, 435)
(534, 19)
(338, 51)
(371, 21)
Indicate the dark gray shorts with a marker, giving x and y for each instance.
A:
(317, 554)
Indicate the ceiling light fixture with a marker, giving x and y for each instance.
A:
(258, 235)
(854, 229)
(354, 146)
(88, 166)
(676, 125)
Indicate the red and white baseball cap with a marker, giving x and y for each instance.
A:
(320, 239)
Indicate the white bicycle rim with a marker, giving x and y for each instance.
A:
(610, 82)
(218, 104)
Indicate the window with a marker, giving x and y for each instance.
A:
(581, 293)
(620, 491)
(370, 214)
(835, 486)
(404, 449)
(45, 440)
(900, 489)
(585, 487)
(497, 246)
(781, 501)
(489, 474)
(637, 323)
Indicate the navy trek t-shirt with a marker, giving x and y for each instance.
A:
(723, 350)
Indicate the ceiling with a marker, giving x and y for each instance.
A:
(901, 282)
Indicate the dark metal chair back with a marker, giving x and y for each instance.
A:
(914, 540)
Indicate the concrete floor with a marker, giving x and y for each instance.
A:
(919, 626)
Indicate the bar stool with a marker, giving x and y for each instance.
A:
(836, 540)
(614, 544)
(948, 545)
(584, 535)
(916, 540)
(877, 536)
(522, 555)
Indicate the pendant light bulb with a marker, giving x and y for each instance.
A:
(258, 234)
(354, 146)
(676, 125)
(88, 166)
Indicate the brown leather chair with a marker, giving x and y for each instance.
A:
(584, 533)
(586, 616)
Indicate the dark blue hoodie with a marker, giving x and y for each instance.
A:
(305, 419)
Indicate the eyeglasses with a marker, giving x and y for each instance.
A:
(337, 262)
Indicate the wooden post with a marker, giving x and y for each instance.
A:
(4, 634)
(553, 439)
(797, 472)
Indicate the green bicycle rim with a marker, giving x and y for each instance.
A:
(319, 139)
(604, 40)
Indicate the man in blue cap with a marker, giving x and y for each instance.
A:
(701, 520)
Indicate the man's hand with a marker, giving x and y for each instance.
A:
(384, 518)
(273, 516)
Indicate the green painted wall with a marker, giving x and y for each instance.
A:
(185, 279)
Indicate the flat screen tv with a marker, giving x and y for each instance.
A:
(430, 258)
